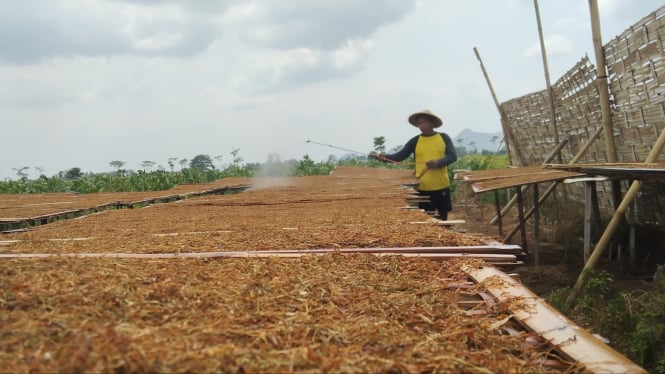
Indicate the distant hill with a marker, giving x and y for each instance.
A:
(482, 140)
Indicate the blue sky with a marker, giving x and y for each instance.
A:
(83, 83)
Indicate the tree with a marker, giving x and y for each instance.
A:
(21, 172)
(73, 173)
(380, 144)
(236, 158)
(472, 144)
(172, 161)
(493, 141)
(306, 166)
(117, 165)
(219, 160)
(182, 163)
(148, 165)
(203, 162)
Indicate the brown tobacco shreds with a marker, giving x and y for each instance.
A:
(350, 208)
(339, 313)
(350, 313)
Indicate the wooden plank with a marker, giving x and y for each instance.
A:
(13, 231)
(452, 222)
(58, 214)
(482, 175)
(585, 179)
(496, 248)
(476, 249)
(503, 259)
(563, 334)
(440, 222)
(501, 183)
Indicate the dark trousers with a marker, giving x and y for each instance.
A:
(439, 201)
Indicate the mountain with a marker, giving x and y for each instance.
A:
(482, 140)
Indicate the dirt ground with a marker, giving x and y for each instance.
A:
(560, 264)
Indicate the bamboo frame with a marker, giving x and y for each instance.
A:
(550, 92)
(612, 225)
(508, 135)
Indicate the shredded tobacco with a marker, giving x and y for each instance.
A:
(337, 312)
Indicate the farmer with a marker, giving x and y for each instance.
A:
(433, 152)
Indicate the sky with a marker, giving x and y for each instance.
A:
(87, 82)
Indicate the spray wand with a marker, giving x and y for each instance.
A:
(343, 149)
(367, 154)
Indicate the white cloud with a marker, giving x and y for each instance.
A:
(38, 30)
(158, 41)
(274, 71)
(554, 45)
(351, 53)
(84, 82)
(318, 24)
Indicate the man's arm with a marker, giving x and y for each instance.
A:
(451, 155)
(407, 150)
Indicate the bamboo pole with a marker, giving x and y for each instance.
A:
(520, 212)
(497, 204)
(507, 133)
(614, 222)
(604, 96)
(586, 146)
(569, 340)
(550, 92)
(536, 227)
(601, 81)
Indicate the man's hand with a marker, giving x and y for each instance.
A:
(433, 164)
(377, 156)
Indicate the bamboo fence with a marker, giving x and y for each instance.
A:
(636, 74)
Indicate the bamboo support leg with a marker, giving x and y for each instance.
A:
(536, 227)
(612, 225)
(588, 212)
(520, 212)
(499, 221)
(547, 193)
(631, 237)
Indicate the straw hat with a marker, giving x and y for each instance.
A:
(414, 117)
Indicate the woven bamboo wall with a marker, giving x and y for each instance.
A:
(636, 73)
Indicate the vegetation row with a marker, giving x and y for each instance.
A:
(201, 169)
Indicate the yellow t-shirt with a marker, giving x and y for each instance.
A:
(431, 148)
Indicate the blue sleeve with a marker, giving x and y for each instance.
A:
(451, 154)
(407, 150)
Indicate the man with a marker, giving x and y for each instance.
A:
(433, 152)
